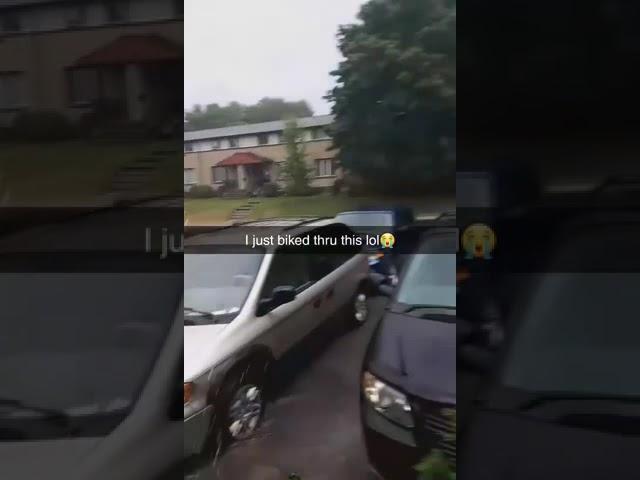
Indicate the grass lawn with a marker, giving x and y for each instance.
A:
(76, 171)
(217, 210)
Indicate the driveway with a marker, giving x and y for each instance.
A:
(312, 428)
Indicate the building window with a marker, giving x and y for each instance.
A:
(117, 10)
(324, 167)
(318, 134)
(10, 21)
(263, 139)
(233, 142)
(11, 90)
(188, 147)
(76, 16)
(214, 145)
(189, 176)
(219, 174)
(83, 86)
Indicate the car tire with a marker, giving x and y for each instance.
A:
(242, 403)
(358, 311)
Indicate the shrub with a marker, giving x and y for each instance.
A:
(42, 126)
(435, 467)
(270, 189)
(299, 191)
(200, 191)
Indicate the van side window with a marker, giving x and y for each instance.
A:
(287, 269)
(326, 259)
(322, 264)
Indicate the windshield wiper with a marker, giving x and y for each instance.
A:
(410, 308)
(49, 414)
(202, 313)
(214, 317)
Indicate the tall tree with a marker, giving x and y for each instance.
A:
(267, 109)
(395, 94)
(295, 170)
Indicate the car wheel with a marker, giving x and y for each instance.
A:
(242, 405)
(359, 308)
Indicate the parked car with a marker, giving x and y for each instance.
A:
(376, 221)
(408, 394)
(90, 354)
(562, 397)
(244, 310)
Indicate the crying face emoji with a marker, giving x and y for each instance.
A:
(387, 240)
(478, 241)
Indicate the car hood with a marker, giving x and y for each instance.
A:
(44, 459)
(502, 446)
(417, 355)
(200, 348)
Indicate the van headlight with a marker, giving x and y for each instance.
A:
(387, 400)
(196, 393)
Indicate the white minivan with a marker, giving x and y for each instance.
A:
(244, 310)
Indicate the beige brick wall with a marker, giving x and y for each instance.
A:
(203, 162)
(43, 57)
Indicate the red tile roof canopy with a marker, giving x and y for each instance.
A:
(134, 49)
(243, 158)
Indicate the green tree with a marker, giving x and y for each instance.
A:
(267, 109)
(395, 94)
(295, 170)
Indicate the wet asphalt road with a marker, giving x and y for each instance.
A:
(312, 426)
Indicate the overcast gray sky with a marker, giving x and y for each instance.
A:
(248, 49)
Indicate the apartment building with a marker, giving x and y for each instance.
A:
(73, 55)
(244, 157)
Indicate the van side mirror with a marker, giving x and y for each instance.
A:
(379, 284)
(282, 295)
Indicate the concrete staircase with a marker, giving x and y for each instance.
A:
(130, 182)
(243, 212)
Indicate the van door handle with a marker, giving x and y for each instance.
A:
(330, 293)
(317, 302)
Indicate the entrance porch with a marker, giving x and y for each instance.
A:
(244, 171)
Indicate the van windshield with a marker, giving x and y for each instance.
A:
(217, 285)
(579, 332)
(430, 281)
(579, 336)
(77, 348)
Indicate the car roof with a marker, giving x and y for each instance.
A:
(231, 235)
(372, 210)
(377, 210)
(288, 222)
